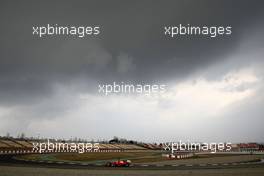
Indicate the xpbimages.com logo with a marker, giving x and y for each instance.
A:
(196, 146)
(43, 147)
(79, 31)
(125, 88)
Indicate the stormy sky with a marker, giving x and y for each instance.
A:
(49, 85)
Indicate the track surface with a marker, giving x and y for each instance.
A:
(10, 161)
(37, 171)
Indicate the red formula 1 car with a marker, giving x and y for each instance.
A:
(119, 163)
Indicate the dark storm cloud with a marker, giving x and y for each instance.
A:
(29, 66)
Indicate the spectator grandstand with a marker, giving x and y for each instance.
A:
(12, 145)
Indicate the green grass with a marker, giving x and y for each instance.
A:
(137, 157)
(100, 157)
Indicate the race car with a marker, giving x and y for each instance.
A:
(119, 163)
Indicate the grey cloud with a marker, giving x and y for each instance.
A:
(132, 28)
(131, 47)
(124, 63)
